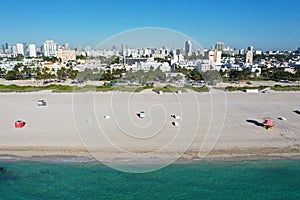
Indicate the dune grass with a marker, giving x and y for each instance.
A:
(231, 88)
(57, 88)
(286, 88)
(66, 88)
(198, 89)
(168, 88)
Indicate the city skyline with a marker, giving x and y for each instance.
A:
(236, 23)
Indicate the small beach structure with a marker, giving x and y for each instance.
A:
(251, 90)
(176, 116)
(268, 124)
(106, 116)
(19, 124)
(175, 123)
(41, 102)
(142, 114)
(160, 92)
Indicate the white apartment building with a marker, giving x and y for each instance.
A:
(258, 52)
(32, 50)
(14, 52)
(50, 48)
(146, 66)
(20, 48)
(205, 65)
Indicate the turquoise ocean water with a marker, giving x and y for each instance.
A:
(205, 180)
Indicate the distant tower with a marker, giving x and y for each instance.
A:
(32, 50)
(219, 46)
(20, 48)
(188, 48)
(213, 55)
(249, 55)
(49, 48)
(14, 52)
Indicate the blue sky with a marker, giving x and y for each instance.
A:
(265, 24)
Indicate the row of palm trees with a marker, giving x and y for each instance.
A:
(21, 71)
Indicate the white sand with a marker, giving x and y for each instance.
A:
(51, 130)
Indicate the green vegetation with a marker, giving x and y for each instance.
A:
(64, 73)
(139, 89)
(53, 88)
(286, 88)
(49, 59)
(169, 88)
(231, 88)
(143, 77)
(162, 60)
(239, 75)
(274, 74)
(18, 57)
(95, 75)
(210, 77)
(275, 87)
(66, 88)
(22, 72)
(198, 89)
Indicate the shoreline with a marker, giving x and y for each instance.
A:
(69, 155)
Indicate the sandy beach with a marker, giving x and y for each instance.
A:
(211, 125)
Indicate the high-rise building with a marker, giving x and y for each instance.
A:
(14, 52)
(249, 57)
(32, 50)
(219, 46)
(3, 48)
(188, 48)
(213, 56)
(49, 48)
(6, 46)
(20, 48)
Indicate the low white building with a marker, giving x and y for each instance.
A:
(146, 66)
(289, 69)
(255, 69)
(205, 65)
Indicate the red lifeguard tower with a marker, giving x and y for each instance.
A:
(19, 124)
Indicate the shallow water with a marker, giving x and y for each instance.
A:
(205, 180)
